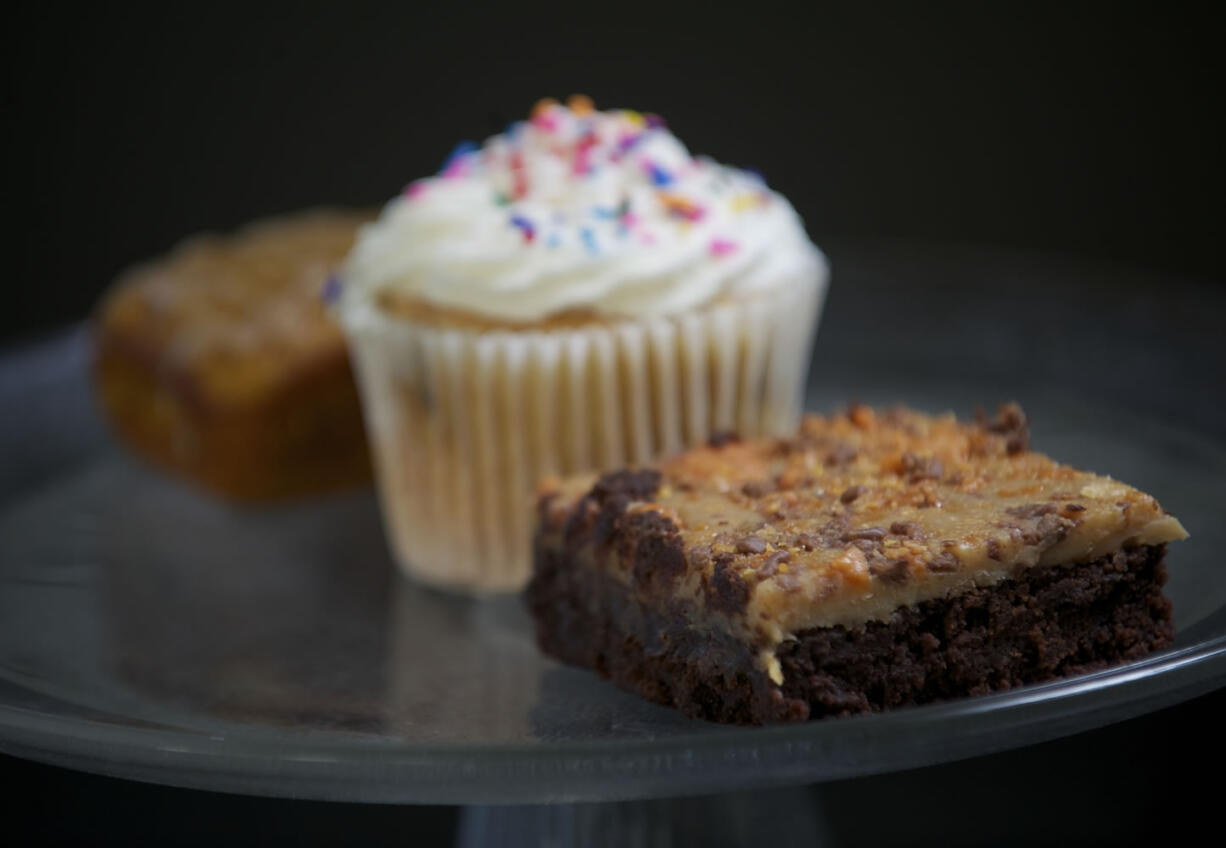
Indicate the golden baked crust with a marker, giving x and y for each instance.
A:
(220, 362)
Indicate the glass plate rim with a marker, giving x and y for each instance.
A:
(1188, 661)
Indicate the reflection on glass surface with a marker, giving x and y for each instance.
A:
(274, 616)
(459, 669)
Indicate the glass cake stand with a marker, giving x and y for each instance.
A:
(149, 632)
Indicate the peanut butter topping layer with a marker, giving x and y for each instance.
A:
(856, 516)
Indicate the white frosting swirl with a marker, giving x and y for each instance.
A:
(576, 209)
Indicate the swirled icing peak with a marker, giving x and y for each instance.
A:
(578, 209)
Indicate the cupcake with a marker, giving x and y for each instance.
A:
(579, 293)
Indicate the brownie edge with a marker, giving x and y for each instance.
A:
(1043, 623)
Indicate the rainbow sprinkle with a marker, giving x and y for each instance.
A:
(542, 114)
(559, 144)
(744, 201)
(589, 240)
(633, 117)
(524, 226)
(659, 176)
(331, 289)
(457, 163)
(681, 207)
(580, 105)
(583, 153)
(627, 142)
(519, 175)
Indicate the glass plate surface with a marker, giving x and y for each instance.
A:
(150, 632)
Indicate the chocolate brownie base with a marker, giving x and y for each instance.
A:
(1044, 623)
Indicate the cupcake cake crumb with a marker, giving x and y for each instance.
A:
(576, 293)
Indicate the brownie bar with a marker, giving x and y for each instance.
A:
(867, 564)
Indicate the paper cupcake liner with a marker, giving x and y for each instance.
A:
(463, 424)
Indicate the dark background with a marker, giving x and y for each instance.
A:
(1087, 129)
(1082, 128)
